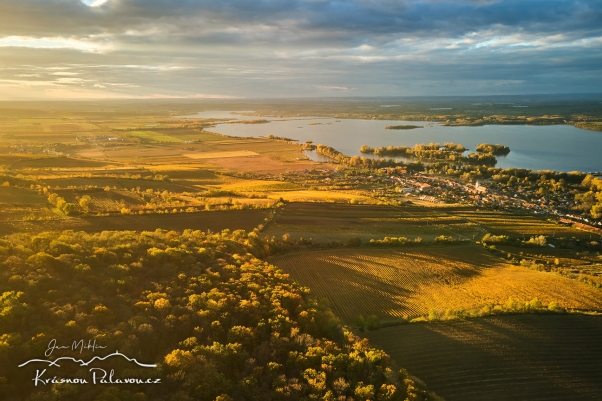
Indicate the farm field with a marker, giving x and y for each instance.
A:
(259, 164)
(18, 213)
(40, 137)
(188, 134)
(521, 357)
(317, 196)
(392, 283)
(11, 195)
(55, 162)
(325, 222)
(236, 155)
(219, 155)
(154, 136)
(519, 224)
(214, 221)
(187, 171)
(119, 183)
(46, 130)
(102, 200)
(42, 120)
(259, 185)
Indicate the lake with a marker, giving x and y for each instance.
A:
(537, 147)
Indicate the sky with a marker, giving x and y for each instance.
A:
(203, 49)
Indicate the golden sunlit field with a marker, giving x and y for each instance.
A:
(396, 283)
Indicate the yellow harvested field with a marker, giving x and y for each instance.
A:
(154, 136)
(176, 167)
(73, 127)
(11, 128)
(219, 155)
(42, 120)
(258, 185)
(392, 283)
(313, 196)
(92, 154)
(259, 164)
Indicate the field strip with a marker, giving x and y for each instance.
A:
(219, 155)
(448, 215)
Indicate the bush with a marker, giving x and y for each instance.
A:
(68, 208)
(353, 242)
(372, 322)
(496, 239)
(536, 241)
(360, 322)
(555, 307)
(390, 241)
(442, 239)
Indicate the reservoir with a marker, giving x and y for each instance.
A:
(536, 147)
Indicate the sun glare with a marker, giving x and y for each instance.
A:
(94, 3)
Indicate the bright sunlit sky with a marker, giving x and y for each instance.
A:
(70, 49)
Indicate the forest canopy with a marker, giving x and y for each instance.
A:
(219, 322)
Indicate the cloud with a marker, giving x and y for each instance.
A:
(292, 47)
(52, 43)
(66, 81)
(334, 88)
(15, 83)
(195, 96)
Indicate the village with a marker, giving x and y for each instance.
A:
(440, 190)
(429, 189)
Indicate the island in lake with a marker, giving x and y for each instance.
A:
(403, 126)
(497, 150)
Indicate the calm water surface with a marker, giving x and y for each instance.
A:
(547, 147)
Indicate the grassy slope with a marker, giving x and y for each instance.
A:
(393, 283)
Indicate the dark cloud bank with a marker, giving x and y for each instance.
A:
(156, 48)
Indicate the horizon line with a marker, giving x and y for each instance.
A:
(232, 98)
